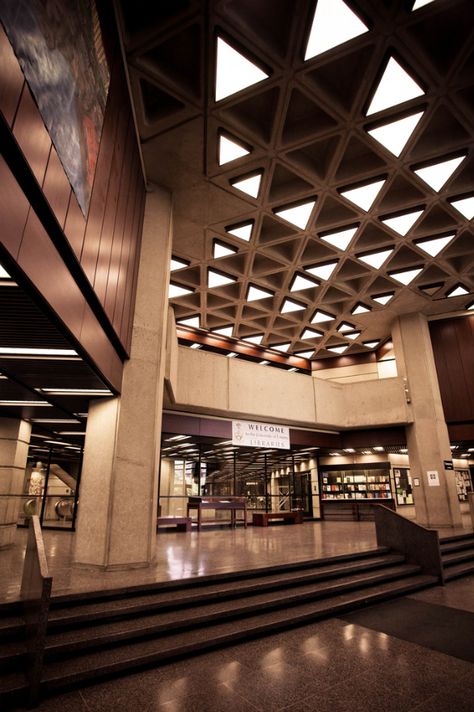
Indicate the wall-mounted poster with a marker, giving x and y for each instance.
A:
(59, 47)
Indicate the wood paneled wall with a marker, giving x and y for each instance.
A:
(453, 347)
(100, 252)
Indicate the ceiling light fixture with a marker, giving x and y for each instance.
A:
(305, 354)
(257, 339)
(232, 354)
(433, 246)
(464, 205)
(299, 283)
(175, 291)
(20, 351)
(296, 215)
(364, 196)
(371, 344)
(457, 291)
(406, 276)
(311, 334)
(402, 223)
(360, 309)
(38, 403)
(234, 72)
(340, 239)
(193, 321)
(242, 231)
(78, 391)
(395, 87)
(323, 271)
(196, 346)
(353, 335)
(338, 349)
(224, 330)
(290, 306)
(255, 293)
(375, 259)
(177, 263)
(333, 24)
(219, 249)
(249, 185)
(320, 316)
(218, 279)
(230, 150)
(437, 174)
(417, 5)
(383, 298)
(281, 347)
(345, 326)
(395, 135)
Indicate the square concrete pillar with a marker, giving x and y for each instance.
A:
(14, 443)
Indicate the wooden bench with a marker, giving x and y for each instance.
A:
(183, 524)
(261, 519)
(233, 504)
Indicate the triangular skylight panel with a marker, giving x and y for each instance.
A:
(290, 306)
(341, 238)
(242, 231)
(420, 3)
(322, 271)
(191, 321)
(360, 309)
(320, 316)
(365, 195)
(433, 247)
(383, 298)
(371, 344)
(402, 223)
(338, 349)
(344, 326)
(375, 259)
(305, 354)
(333, 23)
(255, 293)
(407, 275)
(224, 330)
(353, 335)
(221, 250)
(395, 87)
(218, 279)
(395, 135)
(257, 339)
(174, 290)
(465, 206)
(299, 283)
(311, 334)
(282, 347)
(175, 264)
(230, 150)
(234, 72)
(298, 215)
(251, 185)
(436, 175)
(457, 291)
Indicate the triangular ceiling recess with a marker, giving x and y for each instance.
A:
(333, 23)
(234, 72)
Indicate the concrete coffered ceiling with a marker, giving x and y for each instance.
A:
(308, 209)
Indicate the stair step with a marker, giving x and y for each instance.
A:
(455, 571)
(94, 665)
(13, 688)
(12, 655)
(11, 627)
(457, 537)
(211, 611)
(457, 558)
(162, 601)
(463, 545)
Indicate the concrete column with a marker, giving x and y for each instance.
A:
(14, 443)
(116, 526)
(427, 437)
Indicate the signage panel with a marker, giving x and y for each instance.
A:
(448, 465)
(267, 435)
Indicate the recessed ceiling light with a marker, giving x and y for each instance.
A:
(255, 293)
(218, 279)
(365, 195)
(465, 206)
(438, 174)
(383, 298)
(250, 185)
(349, 449)
(470, 307)
(335, 454)
(20, 351)
(403, 449)
(417, 5)
(395, 135)
(375, 259)
(224, 330)
(282, 347)
(340, 239)
(305, 354)
(232, 354)
(297, 215)
(320, 316)
(407, 275)
(80, 433)
(395, 87)
(345, 326)
(257, 339)
(234, 72)
(292, 370)
(54, 420)
(221, 250)
(3, 273)
(263, 363)
(378, 448)
(338, 349)
(311, 334)
(243, 231)
(290, 306)
(353, 335)
(457, 291)
(434, 246)
(176, 264)
(175, 291)
(78, 391)
(371, 344)
(360, 309)
(196, 346)
(190, 321)
(333, 24)
(38, 403)
(402, 223)
(230, 150)
(299, 283)
(323, 271)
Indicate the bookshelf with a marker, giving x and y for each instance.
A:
(348, 491)
(463, 484)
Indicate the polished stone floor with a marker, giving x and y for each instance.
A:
(330, 666)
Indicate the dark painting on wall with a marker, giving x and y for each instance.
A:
(59, 47)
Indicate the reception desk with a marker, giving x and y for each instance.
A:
(233, 504)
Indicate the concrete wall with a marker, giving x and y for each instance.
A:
(213, 384)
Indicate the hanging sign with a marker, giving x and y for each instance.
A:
(448, 465)
(249, 434)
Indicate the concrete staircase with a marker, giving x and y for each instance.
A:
(93, 636)
(457, 556)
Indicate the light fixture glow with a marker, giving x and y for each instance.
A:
(340, 239)
(438, 174)
(299, 283)
(465, 206)
(255, 293)
(395, 87)
(53, 420)
(78, 391)
(38, 403)
(221, 250)
(196, 346)
(360, 309)
(230, 150)
(406, 276)
(234, 72)
(244, 232)
(175, 291)
(191, 321)
(263, 363)
(416, 6)
(371, 344)
(281, 347)
(224, 330)
(250, 185)
(402, 223)
(375, 259)
(298, 215)
(395, 135)
(175, 264)
(232, 354)
(20, 351)
(218, 279)
(3, 273)
(323, 271)
(290, 306)
(433, 247)
(364, 196)
(383, 298)
(320, 316)
(333, 24)
(338, 349)
(349, 450)
(457, 291)
(292, 370)
(257, 339)
(311, 334)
